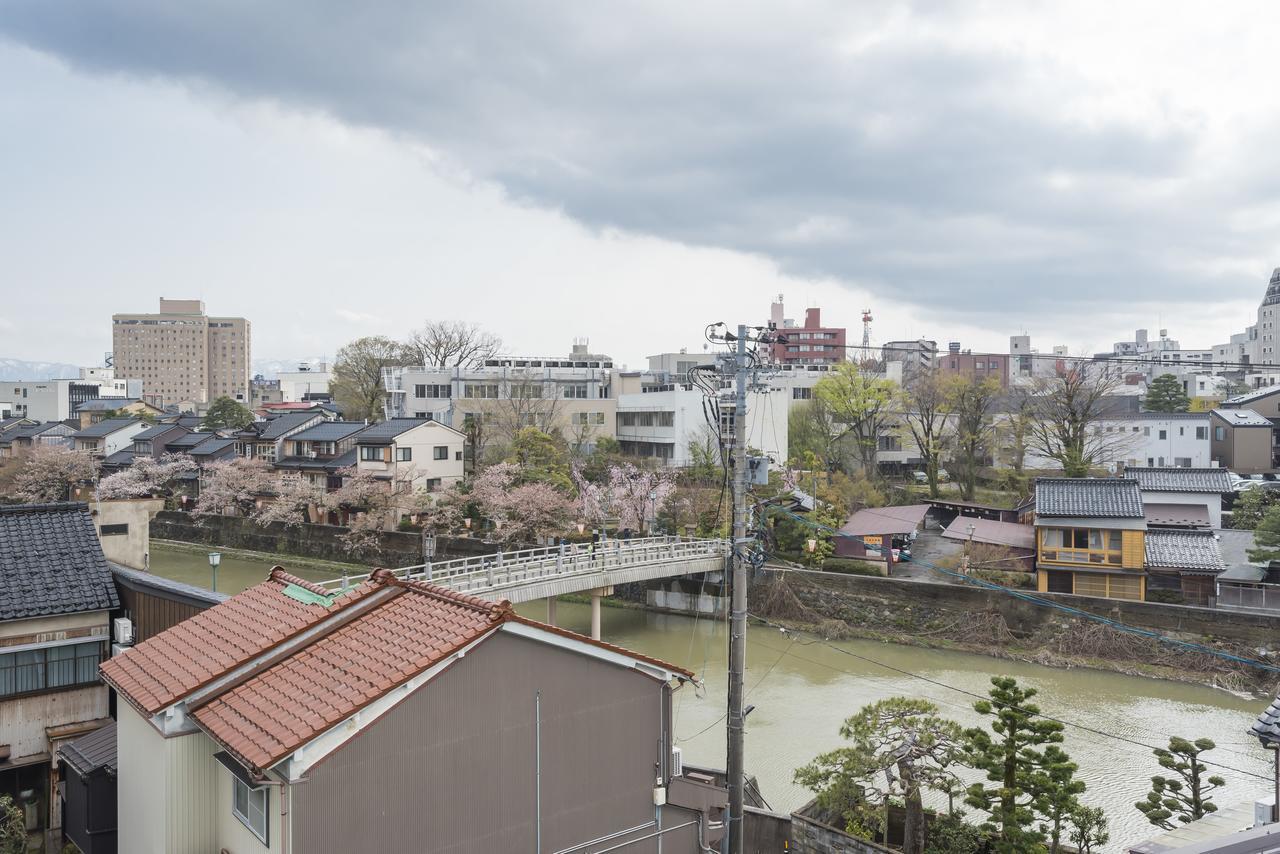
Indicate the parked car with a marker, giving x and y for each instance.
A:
(943, 476)
(919, 477)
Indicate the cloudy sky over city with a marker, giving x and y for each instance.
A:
(631, 172)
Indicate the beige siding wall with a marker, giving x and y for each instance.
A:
(232, 835)
(45, 629)
(142, 787)
(190, 783)
(23, 720)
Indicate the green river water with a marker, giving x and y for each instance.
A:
(802, 691)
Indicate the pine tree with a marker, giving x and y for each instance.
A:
(225, 412)
(1165, 394)
(1013, 764)
(1058, 800)
(1186, 798)
(1266, 535)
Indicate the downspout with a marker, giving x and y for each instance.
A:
(537, 737)
(286, 827)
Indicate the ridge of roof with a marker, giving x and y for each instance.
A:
(48, 507)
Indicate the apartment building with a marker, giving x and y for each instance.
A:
(807, 344)
(182, 355)
(574, 395)
(58, 400)
(966, 363)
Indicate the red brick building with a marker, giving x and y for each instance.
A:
(970, 364)
(810, 344)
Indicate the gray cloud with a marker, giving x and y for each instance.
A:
(828, 140)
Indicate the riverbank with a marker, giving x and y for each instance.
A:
(973, 620)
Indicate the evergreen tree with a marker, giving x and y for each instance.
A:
(1165, 394)
(1185, 796)
(13, 830)
(224, 413)
(1266, 535)
(1058, 800)
(1013, 764)
(1088, 828)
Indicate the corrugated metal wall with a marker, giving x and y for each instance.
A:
(191, 776)
(452, 769)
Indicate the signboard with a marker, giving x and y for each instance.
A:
(873, 541)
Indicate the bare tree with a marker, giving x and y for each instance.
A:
(451, 343)
(970, 400)
(925, 407)
(358, 386)
(1066, 413)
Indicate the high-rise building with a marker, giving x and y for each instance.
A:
(811, 344)
(183, 355)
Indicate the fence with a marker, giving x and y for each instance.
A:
(1256, 598)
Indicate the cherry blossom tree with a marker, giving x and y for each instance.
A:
(368, 502)
(520, 511)
(443, 511)
(632, 494)
(48, 472)
(232, 487)
(146, 478)
(292, 504)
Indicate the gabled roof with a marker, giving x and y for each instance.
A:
(1095, 497)
(51, 562)
(7, 424)
(329, 431)
(1195, 551)
(119, 458)
(992, 532)
(30, 431)
(106, 404)
(157, 431)
(341, 461)
(327, 657)
(278, 426)
(93, 752)
(190, 440)
(1251, 396)
(878, 521)
(384, 432)
(211, 446)
(1209, 480)
(1242, 418)
(105, 428)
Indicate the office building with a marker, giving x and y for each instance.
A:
(182, 355)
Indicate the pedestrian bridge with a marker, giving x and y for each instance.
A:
(545, 573)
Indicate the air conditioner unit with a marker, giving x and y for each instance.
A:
(122, 631)
(677, 762)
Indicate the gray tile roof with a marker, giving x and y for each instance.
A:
(329, 431)
(1242, 417)
(211, 446)
(11, 423)
(1211, 480)
(105, 428)
(156, 431)
(36, 429)
(105, 404)
(384, 432)
(119, 458)
(51, 562)
(188, 441)
(278, 426)
(1267, 727)
(1190, 550)
(1097, 497)
(93, 752)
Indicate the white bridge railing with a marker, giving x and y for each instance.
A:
(484, 573)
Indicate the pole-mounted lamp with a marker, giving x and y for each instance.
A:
(215, 558)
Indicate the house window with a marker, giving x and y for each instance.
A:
(32, 670)
(1081, 545)
(801, 394)
(419, 415)
(433, 483)
(1146, 431)
(441, 452)
(481, 390)
(1202, 432)
(575, 390)
(1164, 434)
(1220, 433)
(404, 455)
(113, 530)
(371, 453)
(249, 804)
(457, 455)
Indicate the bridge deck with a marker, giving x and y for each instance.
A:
(531, 574)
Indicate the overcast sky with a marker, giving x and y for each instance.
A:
(631, 172)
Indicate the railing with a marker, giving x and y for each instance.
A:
(1257, 598)
(483, 573)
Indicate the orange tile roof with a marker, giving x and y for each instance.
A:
(270, 713)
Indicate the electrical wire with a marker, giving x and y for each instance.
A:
(781, 655)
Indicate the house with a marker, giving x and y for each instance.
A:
(1019, 540)
(108, 436)
(869, 531)
(184, 442)
(56, 596)
(92, 411)
(87, 768)
(411, 453)
(1185, 487)
(1185, 562)
(24, 438)
(453, 724)
(153, 442)
(1090, 537)
(213, 449)
(320, 452)
(264, 440)
(1242, 441)
(1157, 439)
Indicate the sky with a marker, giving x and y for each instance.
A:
(630, 172)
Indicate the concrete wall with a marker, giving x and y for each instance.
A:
(809, 836)
(129, 549)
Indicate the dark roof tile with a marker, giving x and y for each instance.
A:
(1108, 498)
(51, 562)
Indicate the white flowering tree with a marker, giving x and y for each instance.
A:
(48, 472)
(148, 477)
(632, 494)
(521, 512)
(233, 487)
(291, 504)
(368, 504)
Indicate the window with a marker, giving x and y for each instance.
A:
(249, 804)
(1146, 431)
(481, 390)
(441, 452)
(1164, 434)
(32, 670)
(1202, 432)
(526, 391)
(113, 530)
(1081, 545)
(404, 455)
(1220, 433)
(575, 390)
(801, 394)
(371, 453)
(586, 419)
(457, 455)
(419, 415)
(433, 483)
(1182, 431)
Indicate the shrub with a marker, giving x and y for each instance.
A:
(1006, 579)
(1167, 597)
(852, 567)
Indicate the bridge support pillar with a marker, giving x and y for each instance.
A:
(596, 596)
(551, 610)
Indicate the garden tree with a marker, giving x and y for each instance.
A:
(541, 457)
(970, 400)
(1165, 394)
(1251, 507)
(950, 834)
(357, 384)
(1088, 828)
(13, 827)
(520, 511)
(369, 505)
(695, 503)
(812, 428)
(858, 402)
(226, 413)
(925, 406)
(444, 511)
(48, 473)
(528, 403)
(1012, 763)
(233, 487)
(706, 458)
(1185, 794)
(450, 343)
(292, 504)
(633, 495)
(148, 477)
(1066, 410)
(1266, 533)
(1059, 798)
(901, 740)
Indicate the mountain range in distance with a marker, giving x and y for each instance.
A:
(12, 370)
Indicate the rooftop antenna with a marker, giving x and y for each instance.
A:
(866, 330)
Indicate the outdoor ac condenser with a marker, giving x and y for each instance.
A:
(122, 631)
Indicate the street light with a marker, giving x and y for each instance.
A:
(1267, 729)
(812, 545)
(215, 558)
(582, 528)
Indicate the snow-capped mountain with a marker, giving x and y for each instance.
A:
(17, 369)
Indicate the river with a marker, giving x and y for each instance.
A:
(803, 690)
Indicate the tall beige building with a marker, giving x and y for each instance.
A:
(183, 355)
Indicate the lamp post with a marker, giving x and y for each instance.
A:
(1267, 730)
(582, 528)
(466, 523)
(812, 545)
(964, 564)
(215, 558)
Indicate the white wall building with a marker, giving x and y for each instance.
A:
(1148, 440)
(412, 453)
(308, 382)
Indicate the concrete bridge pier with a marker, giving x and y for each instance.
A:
(596, 595)
(551, 610)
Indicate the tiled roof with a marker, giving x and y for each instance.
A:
(188, 441)
(32, 430)
(119, 458)
(105, 404)
(1110, 497)
(341, 461)
(1242, 417)
(7, 424)
(1267, 727)
(278, 426)
(384, 431)
(329, 431)
(156, 431)
(105, 428)
(51, 562)
(326, 662)
(210, 446)
(92, 752)
(1191, 550)
(1181, 480)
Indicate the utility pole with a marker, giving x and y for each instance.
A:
(738, 600)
